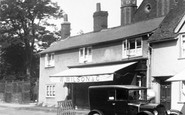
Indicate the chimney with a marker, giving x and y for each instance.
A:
(128, 8)
(65, 28)
(100, 18)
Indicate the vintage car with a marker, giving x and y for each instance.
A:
(122, 100)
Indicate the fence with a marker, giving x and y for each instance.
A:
(15, 92)
(65, 108)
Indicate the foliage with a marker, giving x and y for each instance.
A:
(23, 34)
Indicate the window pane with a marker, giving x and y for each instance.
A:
(81, 52)
(121, 94)
(86, 51)
(132, 44)
(138, 41)
(89, 51)
(125, 45)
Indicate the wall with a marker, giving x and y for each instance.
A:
(165, 59)
(166, 63)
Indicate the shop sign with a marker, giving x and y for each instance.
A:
(84, 79)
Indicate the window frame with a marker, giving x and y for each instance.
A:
(182, 46)
(127, 51)
(50, 90)
(85, 54)
(49, 60)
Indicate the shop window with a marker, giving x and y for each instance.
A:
(49, 60)
(85, 54)
(182, 46)
(50, 90)
(132, 48)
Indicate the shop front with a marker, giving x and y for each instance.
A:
(77, 80)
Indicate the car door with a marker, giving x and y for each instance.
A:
(121, 103)
(111, 101)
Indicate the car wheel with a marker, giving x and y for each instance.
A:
(95, 113)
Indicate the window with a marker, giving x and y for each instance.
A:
(49, 60)
(50, 90)
(85, 54)
(182, 46)
(148, 8)
(132, 48)
(182, 91)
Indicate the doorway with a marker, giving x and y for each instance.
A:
(165, 94)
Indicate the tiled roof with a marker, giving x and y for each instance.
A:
(168, 25)
(105, 35)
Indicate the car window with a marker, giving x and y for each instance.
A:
(121, 94)
(136, 95)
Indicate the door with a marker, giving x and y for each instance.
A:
(166, 94)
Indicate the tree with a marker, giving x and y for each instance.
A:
(23, 28)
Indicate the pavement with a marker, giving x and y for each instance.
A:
(35, 107)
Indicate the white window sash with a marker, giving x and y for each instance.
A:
(85, 55)
(50, 90)
(182, 47)
(49, 60)
(127, 52)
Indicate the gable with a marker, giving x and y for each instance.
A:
(166, 30)
(181, 26)
(143, 13)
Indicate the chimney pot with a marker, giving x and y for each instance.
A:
(65, 17)
(98, 7)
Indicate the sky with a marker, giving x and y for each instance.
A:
(80, 13)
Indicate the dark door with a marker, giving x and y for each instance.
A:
(121, 103)
(166, 94)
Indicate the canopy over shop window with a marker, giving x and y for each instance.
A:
(88, 74)
(178, 77)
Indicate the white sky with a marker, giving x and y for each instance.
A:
(80, 13)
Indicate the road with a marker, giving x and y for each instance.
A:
(17, 111)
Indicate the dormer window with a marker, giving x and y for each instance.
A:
(49, 60)
(85, 54)
(132, 48)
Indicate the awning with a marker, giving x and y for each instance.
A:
(178, 77)
(88, 74)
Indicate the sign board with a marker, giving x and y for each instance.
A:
(83, 79)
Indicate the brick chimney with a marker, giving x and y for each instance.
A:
(128, 8)
(65, 27)
(100, 18)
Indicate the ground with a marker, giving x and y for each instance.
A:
(31, 109)
(17, 111)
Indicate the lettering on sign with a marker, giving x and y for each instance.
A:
(83, 79)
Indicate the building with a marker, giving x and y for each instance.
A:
(118, 55)
(167, 53)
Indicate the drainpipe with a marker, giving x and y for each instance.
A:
(150, 51)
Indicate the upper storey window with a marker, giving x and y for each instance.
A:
(49, 60)
(132, 48)
(182, 46)
(85, 54)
